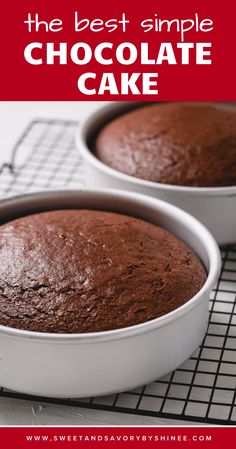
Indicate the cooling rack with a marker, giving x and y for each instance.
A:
(203, 389)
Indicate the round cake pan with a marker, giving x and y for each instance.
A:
(81, 365)
(214, 206)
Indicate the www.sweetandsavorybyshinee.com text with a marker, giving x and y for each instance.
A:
(162, 438)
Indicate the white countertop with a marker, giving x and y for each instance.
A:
(19, 412)
(16, 115)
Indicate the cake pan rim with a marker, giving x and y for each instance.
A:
(87, 154)
(202, 233)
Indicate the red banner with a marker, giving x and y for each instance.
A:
(124, 50)
(122, 437)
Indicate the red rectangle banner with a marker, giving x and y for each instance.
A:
(119, 437)
(72, 50)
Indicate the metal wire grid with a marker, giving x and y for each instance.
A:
(52, 161)
(203, 389)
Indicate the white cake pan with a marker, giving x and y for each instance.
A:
(215, 207)
(80, 365)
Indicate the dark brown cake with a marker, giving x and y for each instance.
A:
(188, 144)
(87, 271)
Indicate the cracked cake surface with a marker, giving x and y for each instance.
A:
(187, 144)
(72, 271)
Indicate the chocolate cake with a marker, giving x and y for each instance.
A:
(72, 271)
(186, 144)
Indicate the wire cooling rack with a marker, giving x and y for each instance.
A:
(203, 389)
